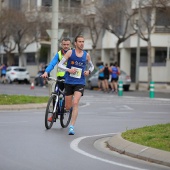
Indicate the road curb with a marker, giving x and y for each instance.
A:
(122, 146)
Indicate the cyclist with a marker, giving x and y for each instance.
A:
(66, 45)
(75, 77)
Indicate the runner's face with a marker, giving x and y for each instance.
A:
(80, 43)
(66, 45)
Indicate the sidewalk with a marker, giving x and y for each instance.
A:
(157, 87)
(122, 146)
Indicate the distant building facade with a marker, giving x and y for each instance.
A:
(71, 17)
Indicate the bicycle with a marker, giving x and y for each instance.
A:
(55, 107)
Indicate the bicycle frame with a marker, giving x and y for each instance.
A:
(56, 93)
(55, 107)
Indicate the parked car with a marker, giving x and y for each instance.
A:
(92, 82)
(17, 74)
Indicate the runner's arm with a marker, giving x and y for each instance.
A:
(90, 64)
(62, 66)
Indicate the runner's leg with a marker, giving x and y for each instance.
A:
(77, 96)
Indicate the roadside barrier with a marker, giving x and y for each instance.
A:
(120, 88)
(152, 89)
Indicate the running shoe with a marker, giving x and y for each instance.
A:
(50, 119)
(71, 130)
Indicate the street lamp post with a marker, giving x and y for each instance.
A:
(54, 37)
(54, 29)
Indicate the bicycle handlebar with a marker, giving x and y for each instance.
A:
(54, 79)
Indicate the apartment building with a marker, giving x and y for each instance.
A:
(70, 21)
(72, 15)
(160, 46)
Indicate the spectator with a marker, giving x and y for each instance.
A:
(115, 72)
(3, 68)
(106, 77)
(101, 76)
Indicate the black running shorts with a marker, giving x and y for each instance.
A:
(71, 88)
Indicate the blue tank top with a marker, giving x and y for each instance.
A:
(101, 74)
(3, 71)
(80, 64)
(114, 72)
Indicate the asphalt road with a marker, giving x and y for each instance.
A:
(39, 91)
(25, 144)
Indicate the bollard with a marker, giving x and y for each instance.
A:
(120, 89)
(152, 89)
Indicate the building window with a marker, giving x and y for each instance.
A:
(30, 58)
(46, 2)
(162, 17)
(143, 55)
(15, 4)
(160, 55)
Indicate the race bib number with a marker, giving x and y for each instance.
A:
(77, 74)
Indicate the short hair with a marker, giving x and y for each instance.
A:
(115, 64)
(78, 36)
(66, 39)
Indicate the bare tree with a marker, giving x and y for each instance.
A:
(148, 18)
(95, 28)
(18, 32)
(24, 33)
(6, 36)
(117, 18)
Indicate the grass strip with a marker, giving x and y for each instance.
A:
(21, 99)
(157, 136)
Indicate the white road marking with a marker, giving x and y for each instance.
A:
(74, 145)
(87, 104)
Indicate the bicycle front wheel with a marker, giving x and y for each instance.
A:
(49, 114)
(65, 118)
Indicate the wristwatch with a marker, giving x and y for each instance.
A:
(89, 72)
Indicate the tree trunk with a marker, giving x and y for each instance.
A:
(93, 57)
(149, 63)
(116, 52)
(10, 59)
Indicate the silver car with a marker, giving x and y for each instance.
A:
(92, 82)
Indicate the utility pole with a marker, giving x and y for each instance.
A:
(54, 33)
(54, 38)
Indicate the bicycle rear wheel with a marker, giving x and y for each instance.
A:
(49, 115)
(65, 118)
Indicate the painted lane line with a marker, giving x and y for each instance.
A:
(74, 145)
